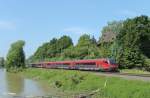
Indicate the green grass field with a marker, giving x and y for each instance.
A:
(77, 81)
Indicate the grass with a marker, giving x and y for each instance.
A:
(77, 81)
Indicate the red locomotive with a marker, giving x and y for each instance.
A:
(95, 64)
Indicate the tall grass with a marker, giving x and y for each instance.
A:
(77, 81)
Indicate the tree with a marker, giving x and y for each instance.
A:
(52, 49)
(105, 49)
(16, 58)
(110, 31)
(41, 52)
(93, 40)
(64, 42)
(87, 47)
(84, 40)
(107, 42)
(2, 62)
(70, 53)
(132, 40)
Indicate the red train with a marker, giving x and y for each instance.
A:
(95, 64)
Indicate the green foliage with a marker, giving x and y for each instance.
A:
(16, 57)
(107, 43)
(106, 49)
(147, 64)
(58, 84)
(64, 42)
(87, 47)
(52, 49)
(132, 41)
(110, 31)
(93, 40)
(70, 53)
(84, 40)
(131, 47)
(63, 49)
(114, 26)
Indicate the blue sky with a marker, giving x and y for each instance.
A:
(38, 21)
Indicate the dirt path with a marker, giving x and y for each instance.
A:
(142, 78)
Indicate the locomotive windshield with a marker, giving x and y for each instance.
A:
(112, 61)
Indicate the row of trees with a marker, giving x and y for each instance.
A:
(128, 42)
(63, 48)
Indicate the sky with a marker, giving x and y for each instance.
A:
(38, 21)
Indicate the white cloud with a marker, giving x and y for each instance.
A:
(77, 30)
(7, 25)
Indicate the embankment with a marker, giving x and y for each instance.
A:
(77, 81)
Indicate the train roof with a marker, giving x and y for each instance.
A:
(73, 61)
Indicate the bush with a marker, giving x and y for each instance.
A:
(147, 64)
(58, 84)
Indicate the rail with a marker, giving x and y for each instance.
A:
(134, 74)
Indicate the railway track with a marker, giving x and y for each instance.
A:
(134, 74)
(129, 76)
(120, 73)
